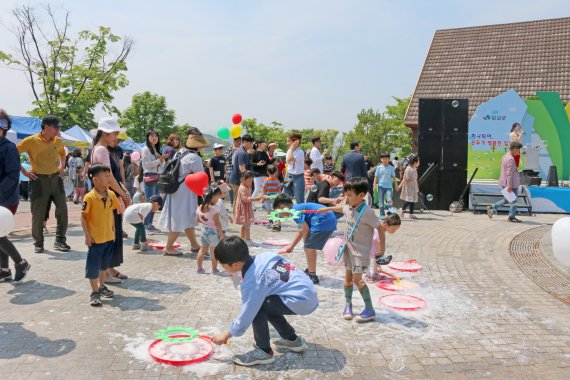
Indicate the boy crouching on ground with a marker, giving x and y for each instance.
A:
(99, 227)
(271, 288)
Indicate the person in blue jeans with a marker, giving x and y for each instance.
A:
(383, 177)
(153, 161)
(295, 169)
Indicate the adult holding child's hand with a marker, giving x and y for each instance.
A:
(106, 138)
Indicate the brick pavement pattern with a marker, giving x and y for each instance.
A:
(485, 318)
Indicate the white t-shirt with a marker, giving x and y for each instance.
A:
(132, 212)
(224, 215)
(297, 167)
(317, 159)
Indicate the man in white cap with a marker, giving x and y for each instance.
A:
(217, 164)
(47, 157)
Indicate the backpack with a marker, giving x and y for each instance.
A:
(168, 179)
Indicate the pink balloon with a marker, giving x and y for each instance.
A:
(331, 250)
(197, 182)
(135, 156)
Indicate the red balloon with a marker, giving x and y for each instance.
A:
(236, 119)
(197, 182)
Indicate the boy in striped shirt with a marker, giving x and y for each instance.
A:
(271, 186)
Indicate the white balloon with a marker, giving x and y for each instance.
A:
(6, 221)
(561, 240)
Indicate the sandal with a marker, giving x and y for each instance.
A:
(121, 275)
(195, 250)
(167, 253)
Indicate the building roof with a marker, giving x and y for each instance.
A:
(478, 63)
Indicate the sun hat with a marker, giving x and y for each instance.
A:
(196, 141)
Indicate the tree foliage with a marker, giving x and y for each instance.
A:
(148, 111)
(69, 75)
(379, 132)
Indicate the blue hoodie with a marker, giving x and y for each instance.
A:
(9, 173)
(270, 274)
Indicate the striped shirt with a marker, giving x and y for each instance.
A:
(308, 183)
(271, 186)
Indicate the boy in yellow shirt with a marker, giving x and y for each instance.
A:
(99, 228)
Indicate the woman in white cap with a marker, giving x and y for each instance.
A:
(107, 131)
(179, 210)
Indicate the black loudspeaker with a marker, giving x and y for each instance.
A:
(443, 126)
(455, 116)
(451, 184)
(454, 152)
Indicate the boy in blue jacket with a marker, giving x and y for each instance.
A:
(271, 288)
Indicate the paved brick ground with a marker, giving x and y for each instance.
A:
(485, 318)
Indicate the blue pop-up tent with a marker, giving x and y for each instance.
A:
(130, 146)
(80, 134)
(25, 126)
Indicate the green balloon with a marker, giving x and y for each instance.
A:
(223, 133)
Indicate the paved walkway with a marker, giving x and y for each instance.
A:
(485, 318)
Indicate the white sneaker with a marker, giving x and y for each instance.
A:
(112, 280)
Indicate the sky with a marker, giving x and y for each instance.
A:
(306, 64)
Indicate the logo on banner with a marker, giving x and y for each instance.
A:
(495, 115)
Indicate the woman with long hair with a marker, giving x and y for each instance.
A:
(179, 210)
(106, 138)
(171, 146)
(152, 161)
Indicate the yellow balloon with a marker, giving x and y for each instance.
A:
(235, 131)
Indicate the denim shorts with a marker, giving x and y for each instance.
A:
(98, 259)
(317, 240)
(209, 237)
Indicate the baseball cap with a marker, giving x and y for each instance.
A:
(217, 146)
(109, 125)
(156, 198)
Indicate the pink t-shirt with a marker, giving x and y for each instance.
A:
(207, 218)
(101, 155)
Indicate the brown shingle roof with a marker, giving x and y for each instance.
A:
(481, 62)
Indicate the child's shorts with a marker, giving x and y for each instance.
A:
(209, 237)
(98, 259)
(356, 263)
(317, 240)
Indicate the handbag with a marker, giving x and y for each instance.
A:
(151, 178)
(343, 245)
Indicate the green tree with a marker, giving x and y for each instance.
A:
(379, 132)
(147, 112)
(69, 76)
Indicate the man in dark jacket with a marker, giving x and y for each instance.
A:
(353, 164)
(9, 198)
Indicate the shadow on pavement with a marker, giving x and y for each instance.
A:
(32, 292)
(153, 286)
(16, 341)
(133, 303)
(316, 358)
(389, 316)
